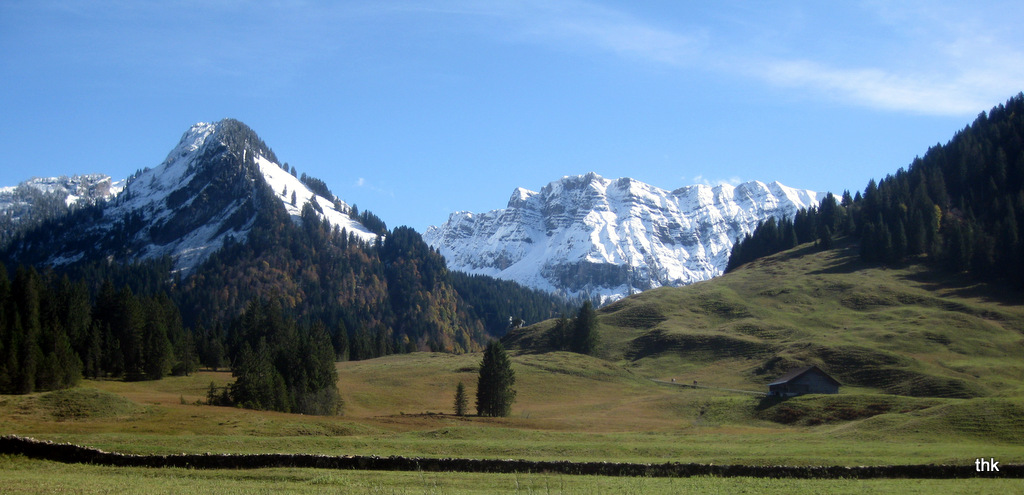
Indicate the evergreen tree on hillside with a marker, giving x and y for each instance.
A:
(494, 393)
(461, 401)
(560, 337)
(584, 330)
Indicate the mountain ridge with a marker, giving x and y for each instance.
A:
(591, 236)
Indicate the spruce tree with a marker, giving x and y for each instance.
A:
(584, 333)
(339, 339)
(559, 337)
(494, 392)
(461, 401)
(258, 385)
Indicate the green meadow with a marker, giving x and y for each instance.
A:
(933, 372)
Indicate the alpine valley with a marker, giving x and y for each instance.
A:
(907, 294)
(605, 239)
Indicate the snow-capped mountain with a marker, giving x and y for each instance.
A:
(207, 191)
(608, 238)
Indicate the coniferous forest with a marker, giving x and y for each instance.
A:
(960, 207)
(52, 333)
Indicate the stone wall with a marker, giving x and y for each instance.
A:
(69, 453)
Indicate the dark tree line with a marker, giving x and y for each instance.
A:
(52, 333)
(819, 224)
(492, 301)
(959, 207)
(372, 222)
(316, 185)
(279, 366)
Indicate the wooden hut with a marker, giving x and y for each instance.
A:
(809, 380)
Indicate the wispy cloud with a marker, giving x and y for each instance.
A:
(618, 32)
(700, 179)
(942, 59)
(927, 59)
(884, 89)
(362, 183)
(573, 24)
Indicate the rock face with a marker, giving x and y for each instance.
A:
(591, 236)
(207, 192)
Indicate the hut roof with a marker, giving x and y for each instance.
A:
(797, 373)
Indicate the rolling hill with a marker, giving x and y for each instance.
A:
(907, 331)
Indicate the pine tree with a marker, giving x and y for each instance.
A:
(461, 401)
(128, 329)
(584, 332)
(494, 393)
(825, 241)
(258, 384)
(339, 339)
(156, 348)
(559, 338)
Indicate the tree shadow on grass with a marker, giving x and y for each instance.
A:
(963, 285)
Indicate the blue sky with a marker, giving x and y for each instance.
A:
(414, 109)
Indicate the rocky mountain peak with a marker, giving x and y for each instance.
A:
(604, 238)
(212, 187)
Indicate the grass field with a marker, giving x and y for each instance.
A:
(953, 353)
(28, 476)
(664, 423)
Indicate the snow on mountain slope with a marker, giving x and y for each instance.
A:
(220, 160)
(34, 201)
(607, 238)
(16, 201)
(207, 191)
(334, 210)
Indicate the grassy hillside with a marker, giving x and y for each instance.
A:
(877, 330)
